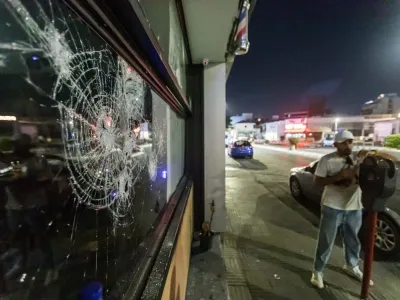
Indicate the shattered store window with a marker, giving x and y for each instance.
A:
(83, 155)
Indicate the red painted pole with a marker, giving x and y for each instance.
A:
(369, 253)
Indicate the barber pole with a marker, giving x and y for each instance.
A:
(242, 39)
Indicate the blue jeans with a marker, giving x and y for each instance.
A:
(349, 222)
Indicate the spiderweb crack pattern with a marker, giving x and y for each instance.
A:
(104, 106)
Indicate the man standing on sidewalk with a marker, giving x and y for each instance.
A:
(341, 207)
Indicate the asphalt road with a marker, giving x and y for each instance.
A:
(278, 164)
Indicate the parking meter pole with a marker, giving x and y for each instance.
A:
(369, 253)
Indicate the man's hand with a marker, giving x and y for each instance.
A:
(346, 174)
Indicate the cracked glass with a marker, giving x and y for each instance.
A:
(83, 156)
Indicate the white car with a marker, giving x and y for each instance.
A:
(327, 143)
(328, 140)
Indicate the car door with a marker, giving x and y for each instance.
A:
(315, 190)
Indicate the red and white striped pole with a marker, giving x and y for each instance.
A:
(242, 38)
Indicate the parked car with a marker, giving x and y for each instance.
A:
(242, 138)
(240, 149)
(328, 140)
(387, 243)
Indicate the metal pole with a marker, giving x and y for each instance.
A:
(369, 254)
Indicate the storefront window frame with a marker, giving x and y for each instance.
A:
(155, 238)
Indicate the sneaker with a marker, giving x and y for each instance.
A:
(356, 273)
(317, 280)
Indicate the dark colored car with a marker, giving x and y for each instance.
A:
(387, 244)
(240, 149)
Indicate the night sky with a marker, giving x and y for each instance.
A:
(348, 50)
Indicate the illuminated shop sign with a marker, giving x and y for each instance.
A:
(8, 118)
(295, 128)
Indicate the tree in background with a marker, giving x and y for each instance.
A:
(392, 141)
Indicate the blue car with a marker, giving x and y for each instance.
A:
(240, 149)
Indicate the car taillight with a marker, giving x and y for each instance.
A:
(233, 147)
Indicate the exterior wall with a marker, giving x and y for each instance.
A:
(382, 130)
(272, 131)
(214, 149)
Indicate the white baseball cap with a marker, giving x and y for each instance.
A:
(344, 135)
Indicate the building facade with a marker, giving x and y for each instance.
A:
(383, 104)
(245, 129)
(314, 128)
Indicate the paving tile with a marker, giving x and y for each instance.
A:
(236, 279)
(258, 278)
(239, 293)
(233, 265)
(230, 243)
(229, 252)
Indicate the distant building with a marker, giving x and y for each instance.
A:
(244, 117)
(384, 104)
(295, 114)
(245, 129)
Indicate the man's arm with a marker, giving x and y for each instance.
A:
(321, 174)
(323, 181)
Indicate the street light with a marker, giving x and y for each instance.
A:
(259, 119)
(336, 123)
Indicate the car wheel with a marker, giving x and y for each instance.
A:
(251, 157)
(387, 237)
(295, 189)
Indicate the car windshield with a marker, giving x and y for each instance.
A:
(329, 137)
(242, 143)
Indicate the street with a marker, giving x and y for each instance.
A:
(270, 240)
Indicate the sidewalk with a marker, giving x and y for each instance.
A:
(269, 245)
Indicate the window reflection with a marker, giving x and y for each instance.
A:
(82, 164)
(164, 21)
